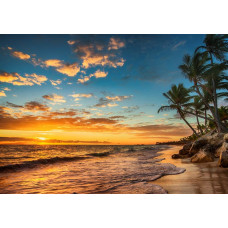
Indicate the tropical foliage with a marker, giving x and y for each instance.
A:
(206, 70)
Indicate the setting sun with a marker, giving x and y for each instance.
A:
(41, 138)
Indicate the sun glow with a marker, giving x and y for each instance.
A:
(41, 138)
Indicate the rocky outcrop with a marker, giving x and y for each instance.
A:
(222, 152)
(186, 149)
(176, 156)
(202, 156)
(206, 149)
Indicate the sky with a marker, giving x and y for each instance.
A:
(90, 89)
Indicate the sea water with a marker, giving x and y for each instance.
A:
(81, 169)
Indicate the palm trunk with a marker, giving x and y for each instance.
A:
(205, 113)
(204, 101)
(182, 116)
(215, 101)
(197, 119)
(203, 117)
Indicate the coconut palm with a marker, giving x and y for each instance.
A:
(198, 106)
(194, 68)
(223, 113)
(216, 46)
(178, 98)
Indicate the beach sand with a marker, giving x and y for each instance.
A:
(199, 178)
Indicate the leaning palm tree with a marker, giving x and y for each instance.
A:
(198, 106)
(216, 46)
(178, 98)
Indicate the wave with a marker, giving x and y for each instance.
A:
(104, 154)
(35, 163)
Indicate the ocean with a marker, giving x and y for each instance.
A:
(80, 169)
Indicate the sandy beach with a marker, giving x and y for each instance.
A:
(199, 178)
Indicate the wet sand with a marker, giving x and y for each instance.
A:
(204, 178)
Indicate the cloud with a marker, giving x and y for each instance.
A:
(97, 74)
(83, 80)
(102, 103)
(8, 77)
(36, 79)
(74, 121)
(71, 42)
(118, 98)
(161, 130)
(32, 106)
(35, 106)
(93, 53)
(53, 63)
(71, 112)
(80, 95)
(20, 55)
(115, 44)
(69, 69)
(22, 140)
(108, 101)
(100, 74)
(64, 68)
(117, 117)
(51, 122)
(28, 79)
(178, 44)
(2, 94)
(55, 98)
(6, 89)
(112, 104)
(56, 82)
(13, 105)
(131, 108)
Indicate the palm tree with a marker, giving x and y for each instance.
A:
(198, 106)
(223, 113)
(178, 98)
(194, 68)
(216, 46)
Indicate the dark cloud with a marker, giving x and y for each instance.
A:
(18, 139)
(161, 129)
(117, 117)
(36, 106)
(102, 102)
(9, 104)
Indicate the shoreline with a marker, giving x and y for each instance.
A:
(199, 178)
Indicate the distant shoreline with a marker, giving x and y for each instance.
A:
(175, 143)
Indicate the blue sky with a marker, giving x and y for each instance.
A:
(99, 76)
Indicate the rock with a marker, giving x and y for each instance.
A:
(186, 149)
(202, 156)
(197, 145)
(221, 149)
(176, 156)
(216, 141)
(222, 152)
(223, 159)
(187, 146)
(225, 138)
